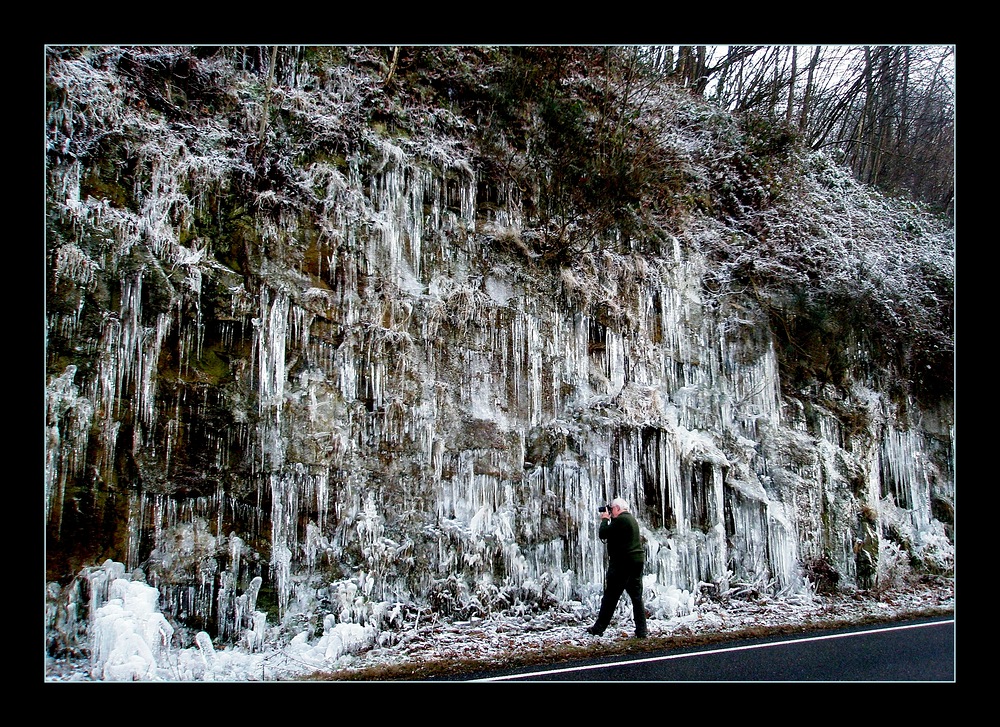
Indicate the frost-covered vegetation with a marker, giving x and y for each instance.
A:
(340, 342)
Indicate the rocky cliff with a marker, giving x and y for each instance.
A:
(329, 337)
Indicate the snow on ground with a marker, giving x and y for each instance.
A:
(350, 649)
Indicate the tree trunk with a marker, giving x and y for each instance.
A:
(791, 86)
(807, 94)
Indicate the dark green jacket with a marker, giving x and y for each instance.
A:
(623, 538)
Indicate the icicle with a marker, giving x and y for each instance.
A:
(269, 343)
(67, 426)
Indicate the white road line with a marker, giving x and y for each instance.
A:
(667, 657)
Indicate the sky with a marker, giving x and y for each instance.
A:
(131, 641)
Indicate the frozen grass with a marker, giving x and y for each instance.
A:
(464, 649)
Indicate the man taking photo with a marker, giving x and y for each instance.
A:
(626, 557)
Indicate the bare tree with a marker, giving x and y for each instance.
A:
(808, 92)
(790, 107)
(887, 109)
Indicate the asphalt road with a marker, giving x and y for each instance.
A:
(921, 650)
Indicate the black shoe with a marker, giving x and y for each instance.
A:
(594, 632)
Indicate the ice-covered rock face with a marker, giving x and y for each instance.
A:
(310, 399)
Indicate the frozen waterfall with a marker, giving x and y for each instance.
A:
(386, 403)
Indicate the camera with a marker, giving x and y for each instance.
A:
(604, 508)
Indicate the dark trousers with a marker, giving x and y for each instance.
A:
(622, 579)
